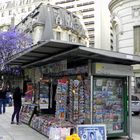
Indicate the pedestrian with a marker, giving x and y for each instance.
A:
(9, 96)
(2, 99)
(17, 105)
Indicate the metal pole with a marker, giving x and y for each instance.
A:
(129, 109)
(91, 88)
(91, 99)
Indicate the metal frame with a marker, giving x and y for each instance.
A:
(129, 109)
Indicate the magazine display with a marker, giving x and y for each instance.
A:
(108, 103)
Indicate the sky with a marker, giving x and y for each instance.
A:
(2, 1)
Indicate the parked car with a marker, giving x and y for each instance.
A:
(135, 105)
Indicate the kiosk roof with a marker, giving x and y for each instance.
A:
(52, 51)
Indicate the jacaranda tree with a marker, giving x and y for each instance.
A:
(11, 43)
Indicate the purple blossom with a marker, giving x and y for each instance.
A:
(16, 70)
(13, 42)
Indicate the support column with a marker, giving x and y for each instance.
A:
(129, 109)
(91, 88)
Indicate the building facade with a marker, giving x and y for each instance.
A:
(96, 17)
(13, 11)
(94, 14)
(125, 18)
(49, 22)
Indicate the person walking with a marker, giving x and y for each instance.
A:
(2, 100)
(17, 105)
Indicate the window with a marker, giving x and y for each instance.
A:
(68, 7)
(70, 1)
(70, 38)
(89, 22)
(79, 5)
(2, 14)
(58, 35)
(10, 12)
(88, 16)
(89, 9)
(137, 90)
(29, 9)
(22, 10)
(137, 40)
(111, 48)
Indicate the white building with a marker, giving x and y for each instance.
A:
(13, 11)
(96, 17)
(94, 13)
(126, 31)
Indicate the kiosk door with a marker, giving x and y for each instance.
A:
(109, 105)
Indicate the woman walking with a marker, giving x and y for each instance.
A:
(17, 105)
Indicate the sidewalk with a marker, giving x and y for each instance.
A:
(21, 132)
(16, 132)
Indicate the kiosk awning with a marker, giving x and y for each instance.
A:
(52, 51)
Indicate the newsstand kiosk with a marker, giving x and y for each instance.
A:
(81, 87)
(74, 98)
(109, 97)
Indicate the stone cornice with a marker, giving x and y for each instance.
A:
(38, 24)
(114, 3)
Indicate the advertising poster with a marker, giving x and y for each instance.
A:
(29, 93)
(92, 132)
(44, 96)
(44, 101)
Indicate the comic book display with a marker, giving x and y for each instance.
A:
(52, 127)
(55, 126)
(61, 98)
(108, 103)
(87, 92)
(27, 112)
(79, 101)
(72, 107)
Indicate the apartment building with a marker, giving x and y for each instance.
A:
(13, 11)
(85, 10)
(96, 17)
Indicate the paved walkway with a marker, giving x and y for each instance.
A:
(16, 132)
(24, 132)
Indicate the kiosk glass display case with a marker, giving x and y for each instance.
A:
(109, 105)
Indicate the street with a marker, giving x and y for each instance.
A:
(136, 125)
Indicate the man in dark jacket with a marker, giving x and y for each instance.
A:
(17, 104)
(2, 100)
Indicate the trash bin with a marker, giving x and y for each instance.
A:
(73, 137)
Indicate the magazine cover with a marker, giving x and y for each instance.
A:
(92, 132)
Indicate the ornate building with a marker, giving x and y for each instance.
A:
(126, 31)
(48, 22)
